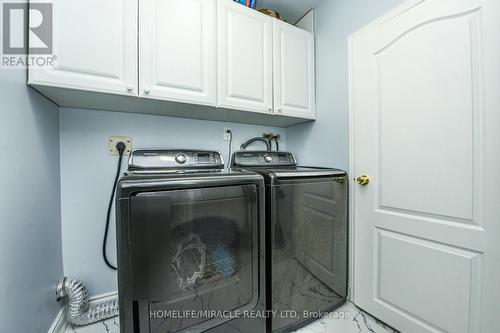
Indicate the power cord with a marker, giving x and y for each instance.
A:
(120, 146)
(230, 146)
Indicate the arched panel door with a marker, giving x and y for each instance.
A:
(425, 130)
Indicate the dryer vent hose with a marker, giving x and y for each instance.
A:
(78, 311)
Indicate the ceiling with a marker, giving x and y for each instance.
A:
(291, 10)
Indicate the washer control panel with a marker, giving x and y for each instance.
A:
(263, 158)
(143, 159)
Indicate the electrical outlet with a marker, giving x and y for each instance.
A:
(227, 134)
(113, 140)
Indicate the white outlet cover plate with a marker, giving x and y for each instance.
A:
(113, 140)
(227, 136)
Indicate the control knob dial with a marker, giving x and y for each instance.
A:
(181, 158)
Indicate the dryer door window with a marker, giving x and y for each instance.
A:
(194, 255)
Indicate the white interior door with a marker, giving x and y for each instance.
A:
(294, 71)
(178, 50)
(95, 43)
(425, 112)
(245, 41)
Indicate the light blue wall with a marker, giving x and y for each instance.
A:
(326, 141)
(87, 172)
(30, 234)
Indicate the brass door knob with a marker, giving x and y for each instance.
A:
(363, 180)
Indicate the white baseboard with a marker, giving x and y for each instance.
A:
(60, 324)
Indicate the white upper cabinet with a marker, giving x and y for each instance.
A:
(177, 50)
(95, 43)
(244, 58)
(294, 71)
(227, 61)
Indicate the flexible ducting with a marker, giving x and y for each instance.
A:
(78, 311)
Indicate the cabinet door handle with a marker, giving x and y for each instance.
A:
(130, 87)
(147, 90)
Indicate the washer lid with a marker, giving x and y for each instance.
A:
(305, 172)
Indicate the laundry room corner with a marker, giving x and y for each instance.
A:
(335, 21)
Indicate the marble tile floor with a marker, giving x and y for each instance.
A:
(346, 319)
(111, 325)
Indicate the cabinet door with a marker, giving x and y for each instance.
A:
(294, 86)
(178, 50)
(244, 58)
(95, 43)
